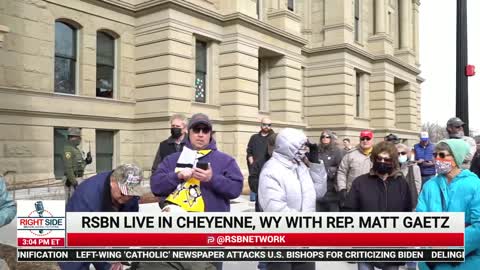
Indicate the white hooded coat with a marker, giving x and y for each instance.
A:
(285, 184)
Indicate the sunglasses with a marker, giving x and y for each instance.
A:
(325, 136)
(383, 159)
(205, 130)
(402, 153)
(365, 139)
(266, 125)
(441, 155)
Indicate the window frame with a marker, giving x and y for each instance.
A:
(359, 95)
(101, 155)
(356, 18)
(113, 67)
(263, 85)
(291, 5)
(204, 73)
(62, 171)
(74, 65)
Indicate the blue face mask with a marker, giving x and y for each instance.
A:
(402, 158)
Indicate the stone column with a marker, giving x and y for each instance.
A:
(285, 90)
(405, 25)
(164, 72)
(238, 95)
(338, 22)
(406, 107)
(382, 101)
(416, 9)
(379, 16)
(380, 42)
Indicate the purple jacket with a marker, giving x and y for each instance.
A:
(226, 182)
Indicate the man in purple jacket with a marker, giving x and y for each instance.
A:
(204, 179)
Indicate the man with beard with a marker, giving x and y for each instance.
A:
(331, 156)
(174, 143)
(257, 145)
(257, 152)
(455, 131)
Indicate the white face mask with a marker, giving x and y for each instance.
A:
(300, 155)
(402, 158)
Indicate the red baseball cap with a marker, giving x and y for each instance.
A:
(366, 133)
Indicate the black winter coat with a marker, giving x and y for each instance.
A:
(166, 148)
(257, 148)
(475, 167)
(369, 193)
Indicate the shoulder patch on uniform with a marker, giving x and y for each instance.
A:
(68, 155)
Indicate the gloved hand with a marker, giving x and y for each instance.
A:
(88, 159)
(312, 154)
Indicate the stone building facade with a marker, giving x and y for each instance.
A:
(119, 68)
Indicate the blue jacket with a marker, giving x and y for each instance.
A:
(425, 153)
(461, 195)
(226, 182)
(93, 195)
(8, 208)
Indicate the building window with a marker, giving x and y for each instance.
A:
(104, 150)
(400, 14)
(303, 91)
(358, 94)
(258, 9)
(105, 64)
(290, 5)
(59, 141)
(65, 58)
(200, 71)
(262, 85)
(357, 20)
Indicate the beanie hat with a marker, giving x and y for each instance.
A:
(459, 148)
(199, 118)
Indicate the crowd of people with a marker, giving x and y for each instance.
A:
(289, 173)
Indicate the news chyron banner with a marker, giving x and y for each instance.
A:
(41, 223)
(265, 229)
(251, 236)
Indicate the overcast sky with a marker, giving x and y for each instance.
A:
(437, 60)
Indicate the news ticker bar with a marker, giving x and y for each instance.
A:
(270, 255)
(263, 240)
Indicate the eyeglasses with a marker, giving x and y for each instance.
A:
(266, 125)
(384, 159)
(325, 136)
(441, 154)
(365, 139)
(205, 130)
(402, 153)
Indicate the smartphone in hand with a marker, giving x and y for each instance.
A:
(202, 165)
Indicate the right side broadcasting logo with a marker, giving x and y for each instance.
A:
(41, 223)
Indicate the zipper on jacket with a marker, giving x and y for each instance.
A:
(386, 194)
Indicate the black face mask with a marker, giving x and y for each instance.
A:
(382, 168)
(176, 132)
